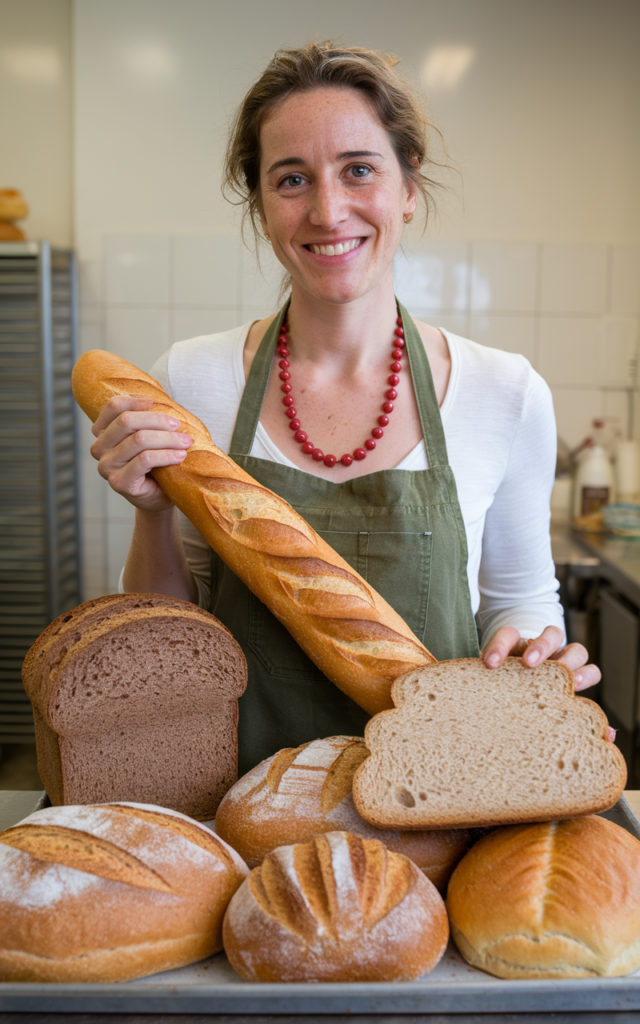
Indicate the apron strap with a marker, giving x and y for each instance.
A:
(430, 418)
(258, 379)
(255, 389)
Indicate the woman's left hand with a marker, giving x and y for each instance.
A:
(507, 641)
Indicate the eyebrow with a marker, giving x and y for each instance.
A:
(297, 161)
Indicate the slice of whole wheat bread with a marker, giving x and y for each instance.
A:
(467, 745)
(135, 697)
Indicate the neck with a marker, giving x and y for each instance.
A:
(352, 333)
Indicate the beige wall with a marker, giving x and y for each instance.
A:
(36, 112)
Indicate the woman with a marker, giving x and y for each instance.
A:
(425, 460)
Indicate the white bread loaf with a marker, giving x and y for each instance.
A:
(135, 697)
(303, 792)
(556, 900)
(345, 627)
(110, 893)
(337, 908)
(467, 745)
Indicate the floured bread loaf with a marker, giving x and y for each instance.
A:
(557, 900)
(302, 792)
(135, 697)
(337, 908)
(467, 745)
(110, 893)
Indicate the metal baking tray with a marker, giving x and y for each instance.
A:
(211, 986)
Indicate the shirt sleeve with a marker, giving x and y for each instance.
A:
(517, 575)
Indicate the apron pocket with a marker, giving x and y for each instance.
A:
(275, 647)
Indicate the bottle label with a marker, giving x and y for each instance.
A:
(593, 499)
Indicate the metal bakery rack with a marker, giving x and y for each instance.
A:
(39, 520)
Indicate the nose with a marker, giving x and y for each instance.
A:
(329, 206)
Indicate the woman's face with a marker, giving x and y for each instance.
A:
(333, 194)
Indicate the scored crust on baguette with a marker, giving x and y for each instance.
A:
(555, 900)
(343, 625)
(135, 697)
(336, 908)
(467, 745)
(305, 791)
(96, 893)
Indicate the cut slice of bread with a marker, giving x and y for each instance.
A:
(467, 746)
(135, 697)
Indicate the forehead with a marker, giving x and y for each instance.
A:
(322, 122)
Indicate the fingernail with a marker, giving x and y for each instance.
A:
(493, 659)
(532, 657)
(185, 439)
(180, 455)
(579, 678)
(174, 424)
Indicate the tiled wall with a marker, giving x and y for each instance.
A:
(572, 310)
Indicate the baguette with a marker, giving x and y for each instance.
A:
(340, 622)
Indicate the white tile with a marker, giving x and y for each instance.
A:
(619, 351)
(118, 543)
(206, 270)
(137, 269)
(118, 507)
(190, 323)
(509, 333)
(432, 276)
(93, 558)
(451, 322)
(574, 278)
(625, 279)
(139, 335)
(569, 350)
(615, 410)
(575, 411)
(503, 276)
(93, 488)
(90, 328)
(90, 283)
(260, 284)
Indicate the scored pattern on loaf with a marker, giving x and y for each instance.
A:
(76, 849)
(179, 827)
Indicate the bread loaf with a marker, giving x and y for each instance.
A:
(135, 697)
(303, 792)
(358, 641)
(110, 893)
(337, 908)
(556, 900)
(467, 745)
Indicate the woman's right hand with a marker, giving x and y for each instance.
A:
(131, 441)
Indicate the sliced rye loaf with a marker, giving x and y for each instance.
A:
(135, 697)
(468, 746)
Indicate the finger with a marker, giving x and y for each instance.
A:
(131, 478)
(610, 734)
(573, 655)
(128, 423)
(589, 675)
(147, 440)
(116, 405)
(500, 646)
(543, 646)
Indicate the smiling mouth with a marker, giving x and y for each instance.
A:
(339, 249)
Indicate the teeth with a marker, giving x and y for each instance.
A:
(335, 250)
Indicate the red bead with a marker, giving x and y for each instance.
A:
(391, 394)
(284, 364)
(295, 425)
(300, 437)
(397, 353)
(370, 444)
(284, 328)
(399, 321)
(383, 421)
(283, 351)
(286, 388)
(359, 454)
(388, 407)
(377, 432)
(346, 460)
(285, 375)
(399, 332)
(396, 367)
(317, 455)
(393, 378)
(288, 400)
(330, 461)
(290, 412)
(308, 447)
(399, 342)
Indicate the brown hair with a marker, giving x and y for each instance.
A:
(318, 65)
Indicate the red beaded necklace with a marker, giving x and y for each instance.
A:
(301, 437)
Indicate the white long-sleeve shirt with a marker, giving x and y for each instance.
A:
(500, 431)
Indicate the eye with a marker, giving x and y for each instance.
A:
(360, 170)
(292, 181)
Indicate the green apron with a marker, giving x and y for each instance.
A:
(402, 531)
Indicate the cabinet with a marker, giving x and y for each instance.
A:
(39, 515)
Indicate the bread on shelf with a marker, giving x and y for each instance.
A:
(110, 893)
(467, 745)
(135, 697)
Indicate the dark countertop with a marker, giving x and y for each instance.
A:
(616, 559)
